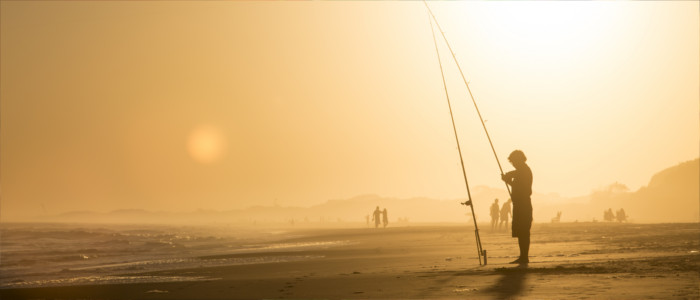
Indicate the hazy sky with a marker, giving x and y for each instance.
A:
(219, 105)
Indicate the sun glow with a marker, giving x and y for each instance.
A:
(206, 144)
(551, 32)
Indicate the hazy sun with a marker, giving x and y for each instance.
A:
(206, 144)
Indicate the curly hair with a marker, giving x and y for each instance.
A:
(517, 156)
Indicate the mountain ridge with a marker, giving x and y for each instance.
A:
(650, 203)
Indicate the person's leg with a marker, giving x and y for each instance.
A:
(520, 246)
(524, 244)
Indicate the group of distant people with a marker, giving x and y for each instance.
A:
(379, 217)
(502, 213)
(620, 215)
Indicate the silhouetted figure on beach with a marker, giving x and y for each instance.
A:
(367, 220)
(376, 217)
(520, 182)
(608, 216)
(621, 215)
(495, 213)
(385, 218)
(505, 214)
(557, 218)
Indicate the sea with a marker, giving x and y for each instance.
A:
(43, 255)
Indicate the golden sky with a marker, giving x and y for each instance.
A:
(182, 105)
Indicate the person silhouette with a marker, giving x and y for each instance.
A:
(621, 215)
(520, 181)
(608, 216)
(495, 213)
(385, 218)
(505, 214)
(375, 217)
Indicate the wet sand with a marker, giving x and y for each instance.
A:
(568, 261)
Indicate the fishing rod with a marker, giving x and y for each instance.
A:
(470, 93)
(479, 249)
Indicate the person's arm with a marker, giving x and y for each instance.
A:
(508, 177)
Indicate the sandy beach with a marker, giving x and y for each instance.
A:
(568, 261)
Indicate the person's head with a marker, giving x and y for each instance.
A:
(517, 158)
(496, 200)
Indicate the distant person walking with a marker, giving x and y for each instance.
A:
(495, 213)
(505, 214)
(376, 215)
(621, 215)
(385, 218)
(608, 215)
(520, 181)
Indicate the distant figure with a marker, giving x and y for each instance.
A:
(520, 182)
(505, 214)
(495, 213)
(367, 220)
(621, 215)
(608, 216)
(385, 218)
(376, 215)
(557, 218)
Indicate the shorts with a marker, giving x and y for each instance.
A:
(522, 220)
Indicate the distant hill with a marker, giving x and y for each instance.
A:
(672, 195)
(356, 209)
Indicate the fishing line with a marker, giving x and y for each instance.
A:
(469, 202)
(469, 90)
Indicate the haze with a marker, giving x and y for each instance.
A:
(178, 106)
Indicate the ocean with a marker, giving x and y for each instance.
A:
(41, 255)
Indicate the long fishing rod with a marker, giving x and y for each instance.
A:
(479, 249)
(470, 93)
